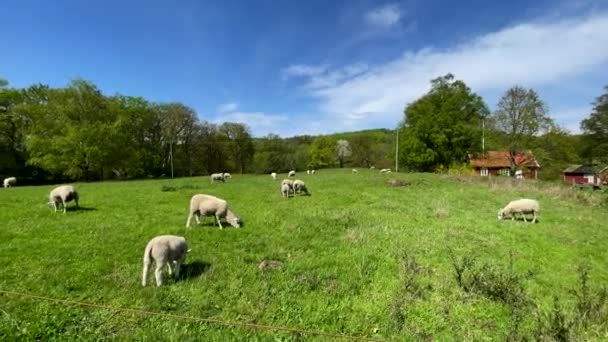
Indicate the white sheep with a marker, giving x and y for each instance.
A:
(355, 171)
(273, 175)
(164, 250)
(291, 173)
(10, 181)
(308, 172)
(202, 205)
(227, 175)
(300, 186)
(372, 167)
(287, 187)
(312, 172)
(217, 177)
(63, 194)
(385, 171)
(521, 206)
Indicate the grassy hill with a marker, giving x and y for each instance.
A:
(359, 258)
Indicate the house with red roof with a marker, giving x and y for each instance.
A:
(498, 163)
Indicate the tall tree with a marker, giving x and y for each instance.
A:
(363, 153)
(239, 144)
(442, 126)
(343, 151)
(520, 115)
(322, 152)
(595, 131)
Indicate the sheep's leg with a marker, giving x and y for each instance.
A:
(169, 268)
(177, 267)
(198, 220)
(218, 222)
(145, 274)
(188, 221)
(159, 272)
(534, 219)
(55, 206)
(63, 201)
(524, 216)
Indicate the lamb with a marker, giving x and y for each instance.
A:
(521, 206)
(287, 187)
(63, 194)
(355, 171)
(291, 173)
(202, 205)
(10, 181)
(217, 177)
(300, 186)
(164, 250)
(273, 175)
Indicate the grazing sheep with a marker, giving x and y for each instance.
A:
(63, 194)
(312, 172)
(372, 167)
(273, 175)
(287, 187)
(307, 171)
(300, 186)
(217, 177)
(355, 171)
(385, 171)
(10, 181)
(521, 206)
(291, 173)
(227, 175)
(164, 250)
(285, 190)
(206, 205)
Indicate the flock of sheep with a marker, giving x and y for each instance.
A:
(171, 251)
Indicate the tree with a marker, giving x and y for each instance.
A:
(363, 153)
(343, 151)
(322, 152)
(520, 115)
(442, 126)
(239, 144)
(595, 131)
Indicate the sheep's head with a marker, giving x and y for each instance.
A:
(501, 214)
(233, 220)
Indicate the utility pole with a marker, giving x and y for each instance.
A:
(397, 152)
(483, 137)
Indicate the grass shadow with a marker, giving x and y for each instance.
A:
(79, 209)
(193, 270)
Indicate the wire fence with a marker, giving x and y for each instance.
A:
(67, 302)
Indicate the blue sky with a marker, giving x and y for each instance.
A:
(311, 67)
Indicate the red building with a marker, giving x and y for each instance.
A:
(581, 174)
(498, 163)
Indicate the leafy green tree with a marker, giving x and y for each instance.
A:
(595, 131)
(363, 153)
(12, 148)
(238, 143)
(442, 126)
(520, 115)
(322, 152)
(555, 151)
(343, 151)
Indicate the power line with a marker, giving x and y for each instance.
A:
(190, 318)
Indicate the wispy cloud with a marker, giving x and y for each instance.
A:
(260, 123)
(227, 107)
(301, 70)
(530, 54)
(384, 17)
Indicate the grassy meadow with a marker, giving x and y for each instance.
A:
(358, 258)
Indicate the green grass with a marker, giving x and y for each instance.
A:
(360, 258)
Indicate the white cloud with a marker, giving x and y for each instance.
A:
(301, 70)
(384, 17)
(227, 107)
(530, 54)
(570, 118)
(260, 123)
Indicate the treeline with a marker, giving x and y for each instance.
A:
(77, 133)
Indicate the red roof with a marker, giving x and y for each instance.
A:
(500, 159)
